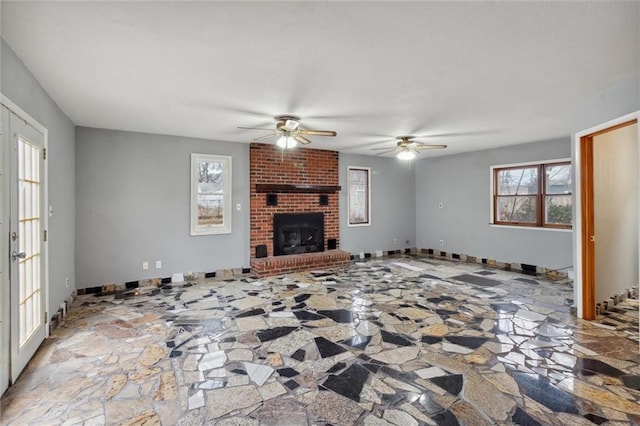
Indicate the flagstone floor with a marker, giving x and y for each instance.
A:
(400, 341)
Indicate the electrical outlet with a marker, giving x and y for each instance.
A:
(440, 205)
(158, 264)
(395, 241)
(66, 282)
(145, 266)
(441, 242)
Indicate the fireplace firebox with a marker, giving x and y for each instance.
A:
(295, 233)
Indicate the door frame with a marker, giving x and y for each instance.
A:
(5, 336)
(583, 253)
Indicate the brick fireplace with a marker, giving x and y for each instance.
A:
(300, 180)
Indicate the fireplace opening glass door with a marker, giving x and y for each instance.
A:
(295, 233)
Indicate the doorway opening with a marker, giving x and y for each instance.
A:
(606, 236)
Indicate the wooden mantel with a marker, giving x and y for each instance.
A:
(307, 189)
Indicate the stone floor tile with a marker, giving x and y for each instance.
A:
(386, 341)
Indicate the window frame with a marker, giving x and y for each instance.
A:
(225, 226)
(366, 193)
(540, 196)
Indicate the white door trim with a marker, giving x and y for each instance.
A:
(577, 227)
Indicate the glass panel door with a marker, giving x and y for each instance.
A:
(26, 243)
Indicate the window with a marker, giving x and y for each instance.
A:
(359, 202)
(210, 194)
(537, 195)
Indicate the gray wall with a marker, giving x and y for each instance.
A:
(21, 88)
(393, 209)
(133, 196)
(462, 183)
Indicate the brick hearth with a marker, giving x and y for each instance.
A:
(299, 166)
(276, 265)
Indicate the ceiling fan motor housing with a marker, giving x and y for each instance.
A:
(287, 123)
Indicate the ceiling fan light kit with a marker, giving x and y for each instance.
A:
(286, 142)
(406, 155)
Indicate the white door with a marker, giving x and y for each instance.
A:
(26, 242)
(4, 260)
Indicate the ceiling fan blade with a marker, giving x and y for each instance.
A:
(455, 134)
(302, 139)
(318, 132)
(386, 152)
(425, 146)
(252, 128)
(380, 149)
(261, 138)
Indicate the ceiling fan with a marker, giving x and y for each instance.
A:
(289, 131)
(407, 147)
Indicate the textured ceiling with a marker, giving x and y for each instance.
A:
(470, 75)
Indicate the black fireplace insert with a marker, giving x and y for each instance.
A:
(298, 233)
